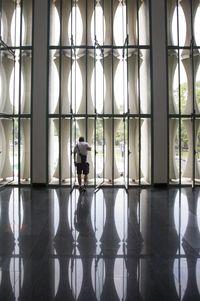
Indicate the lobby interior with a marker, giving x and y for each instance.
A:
(125, 75)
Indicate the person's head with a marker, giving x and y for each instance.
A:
(81, 139)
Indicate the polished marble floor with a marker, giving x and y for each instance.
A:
(109, 245)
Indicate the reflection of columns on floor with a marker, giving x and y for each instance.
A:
(6, 288)
(134, 245)
(172, 65)
(86, 238)
(188, 172)
(191, 236)
(192, 290)
(63, 239)
(64, 291)
(110, 239)
(65, 134)
(6, 247)
(65, 71)
(109, 288)
(110, 162)
(7, 134)
(25, 163)
(26, 75)
(134, 149)
(134, 237)
(8, 63)
(6, 235)
(25, 244)
(191, 73)
(173, 170)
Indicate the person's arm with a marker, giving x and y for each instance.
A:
(89, 148)
(75, 150)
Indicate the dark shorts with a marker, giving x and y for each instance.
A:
(82, 167)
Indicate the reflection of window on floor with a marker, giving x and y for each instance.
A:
(99, 88)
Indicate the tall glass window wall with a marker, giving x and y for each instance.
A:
(99, 88)
(184, 91)
(15, 90)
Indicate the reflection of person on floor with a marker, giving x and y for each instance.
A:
(81, 215)
(80, 160)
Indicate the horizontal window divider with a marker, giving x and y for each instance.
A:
(102, 46)
(69, 116)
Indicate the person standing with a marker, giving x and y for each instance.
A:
(80, 161)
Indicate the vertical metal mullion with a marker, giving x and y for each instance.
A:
(113, 112)
(71, 111)
(127, 86)
(179, 91)
(60, 96)
(193, 98)
(20, 81)
(139, 104)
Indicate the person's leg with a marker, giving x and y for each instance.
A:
(79, 171)
(79, 179)
(85, 179)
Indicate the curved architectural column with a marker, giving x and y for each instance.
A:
(173, 171)
(25, 163)
(65, 133)
(186, 6)
(8, 63)
(110, 65)
(82, 6)
(54, 59)
(27, 14)
(7, 170)
(26, 77)
(108, 27)
(90, 69)
(133, 83)
(172, 64)
(3, 86)
(65, 72)
(90, 105)
(51, 148)
(188, 172)
(134, 150)
(64, 15)
(171, 4)
(110, 127)
(2, 147)
(8, 8)
(90, 10)
(190, 72)
(55, 18)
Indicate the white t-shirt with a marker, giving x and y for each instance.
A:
(81, 147)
